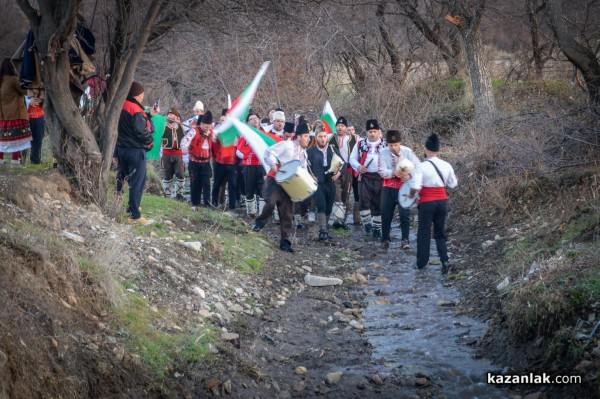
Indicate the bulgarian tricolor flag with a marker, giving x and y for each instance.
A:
(259, 141)
(239, 109)
(328, 118)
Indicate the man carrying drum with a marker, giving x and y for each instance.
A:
(390, 162)
(274, 195)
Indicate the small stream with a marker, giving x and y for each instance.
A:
(411, 323)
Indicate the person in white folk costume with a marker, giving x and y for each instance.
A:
(430, 179)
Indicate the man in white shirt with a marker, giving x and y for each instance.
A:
(430, 179)
(274, 195)
(393, 179)
(344, 143)
(365, 162)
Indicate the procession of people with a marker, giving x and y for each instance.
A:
(337, 174)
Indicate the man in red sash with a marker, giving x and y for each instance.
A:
(430, 179)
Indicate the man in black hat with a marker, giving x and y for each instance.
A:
(393, 178)
(430, 179)
(365, 162)
(133, 140)
(274, 195)
(198, 144)
(344, 143)
(319, 160)
(288, 131)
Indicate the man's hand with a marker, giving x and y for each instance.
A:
(274, 168)
(363, 169)
(154, 111)
(35, 101)
(184, 151)
(336, 175)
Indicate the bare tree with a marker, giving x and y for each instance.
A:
(583, 57)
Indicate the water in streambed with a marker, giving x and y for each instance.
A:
(411, 322)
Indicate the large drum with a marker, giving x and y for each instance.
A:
(296, 181)
(403, 194)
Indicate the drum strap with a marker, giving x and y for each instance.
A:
(438, 171)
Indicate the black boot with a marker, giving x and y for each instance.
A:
(258, 224)
(285, 245)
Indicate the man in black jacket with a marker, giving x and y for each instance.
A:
(133, 140)
(319, 161)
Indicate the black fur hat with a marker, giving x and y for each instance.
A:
(433, 143)
(372, 124)
(207, 118)
(342, 120)
(302, 129)
(393, 136)
(288, 127)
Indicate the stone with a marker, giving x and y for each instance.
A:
(319, 281)
(301, 370)
(199, 291)
(421, 382)
(227, 387)
(236, 308)
(446, 303)
(584, 365)
(356, 325)
(284, 395)
(300, 387)
(487, 244)
(333, 378)
(377, 380)
(204, 313)
(381, 279)
(361, 279)
(194, 245)
(307, 269)
(229, 336)
(72, 236)
(503, 284)
(46, 196)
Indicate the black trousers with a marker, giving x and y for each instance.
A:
(389, 200)
(200, 174)
(132, 164)
(254, 176)
(241, 182)
(370, 194)
(355, 188)
(275, 196)
(433, 212)
(37, 127)
(225, 173)
(324, 197)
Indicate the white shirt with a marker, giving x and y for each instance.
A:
(284, 152)
(343, 146)
(388, 160)
(372, 157)
(425, 174)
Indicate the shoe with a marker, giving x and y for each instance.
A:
(324, 235)
(286, 245)
(417, 267)
(405, 244)
(258, 225)
(337, 224)
(368, 229)
(300, 225)
(385, 245)
(445, 267)
(140, 220)
(377, 233)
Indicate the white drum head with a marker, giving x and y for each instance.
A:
(287, 171)
(403, 193)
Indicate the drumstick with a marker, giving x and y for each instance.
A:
(360, 174)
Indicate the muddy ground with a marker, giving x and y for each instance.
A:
(59, 338)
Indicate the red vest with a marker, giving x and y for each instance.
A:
(201, 145)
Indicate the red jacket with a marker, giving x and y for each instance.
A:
(224, 155)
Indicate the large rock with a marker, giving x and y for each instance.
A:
(319, 281)
(333, 378)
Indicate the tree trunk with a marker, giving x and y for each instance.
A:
(83, 154)
(538, 61)
(469, 28)
(584, 59)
